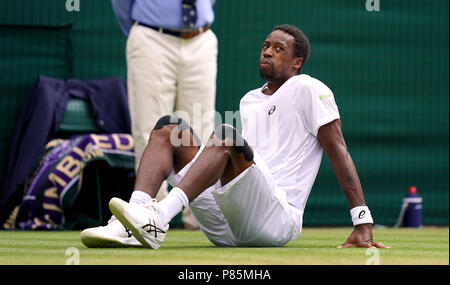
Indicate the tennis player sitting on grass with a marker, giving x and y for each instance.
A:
(248, 190)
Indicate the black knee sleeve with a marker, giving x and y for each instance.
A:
(182, 125)
(241, 146)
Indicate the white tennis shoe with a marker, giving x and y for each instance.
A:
(114, 234)
(142, 220)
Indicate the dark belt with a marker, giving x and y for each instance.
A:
(186, 34)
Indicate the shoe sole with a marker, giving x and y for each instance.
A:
(117, 207)
(92, 240)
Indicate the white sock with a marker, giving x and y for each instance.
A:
(140, 197)
(172, 204)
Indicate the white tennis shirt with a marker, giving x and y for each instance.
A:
(282, 128)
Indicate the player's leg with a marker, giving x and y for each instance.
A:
(225, 157)
(253, 211)
(231, 162)
(171, 146)
(256, 210)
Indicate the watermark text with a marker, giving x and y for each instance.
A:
(373, 5)
(73, 5)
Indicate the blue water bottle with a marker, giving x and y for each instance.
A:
(412, 202)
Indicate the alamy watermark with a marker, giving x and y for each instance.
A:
(73, 254)
(374, 258)
(262, 127)
(373, 5)
(73, 5)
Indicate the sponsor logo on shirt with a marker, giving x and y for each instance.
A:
(272, 109)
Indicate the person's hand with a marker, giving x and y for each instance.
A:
(362, 237)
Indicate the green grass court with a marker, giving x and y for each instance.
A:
(316, 246)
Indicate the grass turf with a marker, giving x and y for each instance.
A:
(316, 246)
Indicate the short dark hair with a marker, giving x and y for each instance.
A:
(301, 41)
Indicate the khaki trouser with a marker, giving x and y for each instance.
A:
(167, 74)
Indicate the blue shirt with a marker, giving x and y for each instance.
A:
(160, 13)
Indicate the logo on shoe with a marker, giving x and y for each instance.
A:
(153, 228)
(129, 233)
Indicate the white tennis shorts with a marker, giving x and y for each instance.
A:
(248, 211)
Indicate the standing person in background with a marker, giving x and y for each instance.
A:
(171, 57)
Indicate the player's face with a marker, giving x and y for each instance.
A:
(277, 60)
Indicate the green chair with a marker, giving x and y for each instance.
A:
(78, 118)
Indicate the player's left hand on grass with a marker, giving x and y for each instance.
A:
(362, 237)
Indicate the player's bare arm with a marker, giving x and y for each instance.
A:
(332, 140)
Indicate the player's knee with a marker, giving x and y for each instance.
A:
(219, 151)
(162, 134)
(165, 126)
(165, 121)
(227, 135)
(225, 131)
